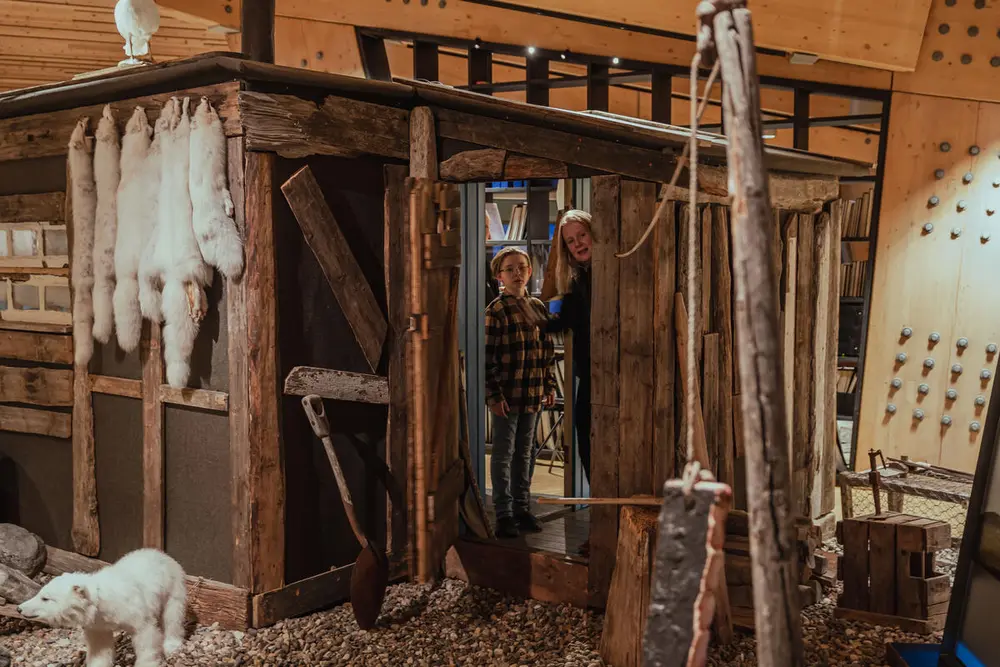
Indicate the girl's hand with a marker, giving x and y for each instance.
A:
(531, 314)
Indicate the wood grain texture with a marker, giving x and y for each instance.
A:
(343, 273)
(266, 480)
(45, 207)
(47, 387)
(789, 192)
(722, 323)
(665, 272)
(803, 419)
(47, 134)
(788, 329)
(153, 488)
(681, 334)
(303, 597)
(396, 236)
(606, 223)
(491, 164)
(711, 400)
(113, 386)
(337, 385)
(684, 270)
(38, 422)
(636, 356)
(203, 399)
(294, 127)
(604, 467)
(86, 531)
(423, 144)
(238, 357)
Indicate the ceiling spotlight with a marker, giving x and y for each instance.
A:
(478, 44)
(615, 61)
(564, 54)
(531, 50)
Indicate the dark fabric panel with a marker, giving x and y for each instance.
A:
(111, 360)
(198, 491)
(118, 454)
(31, 177)
(41, 471)
(210, 359)
(314, 332)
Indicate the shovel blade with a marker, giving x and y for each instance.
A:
(368, 583)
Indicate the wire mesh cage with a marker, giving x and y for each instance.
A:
(924, 491)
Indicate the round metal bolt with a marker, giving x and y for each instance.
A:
(944, 28)
(980, 401)
(950, 3)
(966, 59)
(303, 62)
(973, 31)
(442, 3)
(985, 375)
(937, 56)
(939, 174)
(923, 389)
(994, 61)
(967, 178)
(945, 147)
(956, 232)
(974, 427)
(973, 150)
(906, 332)
(896, 383)
(961, 205)
(951, 394)
(956, 369)
(918, 414)
(946, 420)
(901, 357)
(979, 4)
(928, 228)
(928, 363)
(229, 9)
(891, 409)
(991, 348)
(963, 342)
(934, 200)
(934, 337)
(319, 55)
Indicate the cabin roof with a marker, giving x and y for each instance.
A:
(215, 68)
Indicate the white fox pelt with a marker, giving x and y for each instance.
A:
(84, 205)
(213, 208)
(107, 172)
(143, 594)
(150, 282)
(135, 225)
(177, 259)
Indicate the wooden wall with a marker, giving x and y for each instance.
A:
(934, 282)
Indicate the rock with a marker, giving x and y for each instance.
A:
(21, 549)
(4, 657)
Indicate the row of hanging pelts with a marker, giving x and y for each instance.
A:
(151, 216)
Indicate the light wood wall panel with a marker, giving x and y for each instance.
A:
(934, 282)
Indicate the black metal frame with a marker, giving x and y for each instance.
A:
(973, 532)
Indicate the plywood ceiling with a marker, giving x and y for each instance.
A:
(53, 40)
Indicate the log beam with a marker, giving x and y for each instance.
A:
(337, 385)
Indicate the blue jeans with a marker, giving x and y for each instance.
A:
(510, 467)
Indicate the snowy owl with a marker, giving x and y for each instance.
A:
(137, 21)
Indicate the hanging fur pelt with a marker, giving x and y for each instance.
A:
(150, 282)
(135, 224)
(107, 172)
(84, 205)
(212, 202)
(183, 271)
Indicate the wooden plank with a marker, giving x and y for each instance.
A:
(294, 127)
(396, 236)
(681, 332)
(664, 346)
(257, 30)
(803, 421)
(303, 597)
(636, 357)
(711, 400)
(684, 271)
(517, 571)
(210, 601)
(911, 625)
(604, 428)
(36, 327)
(38, 422)
(324, 236)
(266, 479)
(153, 489)
(238, 354)
(599, 154)
(45, 207)
(337, 385)
(722, 322)
(36, 386)
(882, 563)
(47, 134)
(491, 164)
(789, 192)
(204, 399)
(823, 364)
(788, 327)
(423, 144)
(831, 453)
(706, 269)
(112, 386)
(86, 531)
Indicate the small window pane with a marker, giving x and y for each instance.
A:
(57, 298)
(56, 242)
(25, 297)
(25, 243)
(3, 295)
(4, 250)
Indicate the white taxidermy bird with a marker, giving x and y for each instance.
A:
(137, 21)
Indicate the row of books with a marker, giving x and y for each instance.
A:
(852, 278)
(847, 380)
(858, 214)
(514, 231)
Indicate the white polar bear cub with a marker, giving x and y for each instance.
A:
(142, 594)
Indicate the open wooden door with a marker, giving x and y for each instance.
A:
(437, 474)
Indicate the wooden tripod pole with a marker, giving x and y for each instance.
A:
(726, 31)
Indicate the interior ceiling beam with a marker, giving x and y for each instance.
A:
(469, 21)
(886, 34)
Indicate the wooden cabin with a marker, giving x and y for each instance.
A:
(352, 197)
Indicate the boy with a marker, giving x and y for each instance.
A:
(519, 381)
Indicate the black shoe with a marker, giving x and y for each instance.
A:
(507, 528)
(529, 522)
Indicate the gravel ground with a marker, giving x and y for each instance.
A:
(453, 624)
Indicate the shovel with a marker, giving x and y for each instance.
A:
(371, 570)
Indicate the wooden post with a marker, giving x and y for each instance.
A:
(772, 537)
(152, 438)
(86, 529)
(257, 26)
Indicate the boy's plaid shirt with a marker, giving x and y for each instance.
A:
(519, 357)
